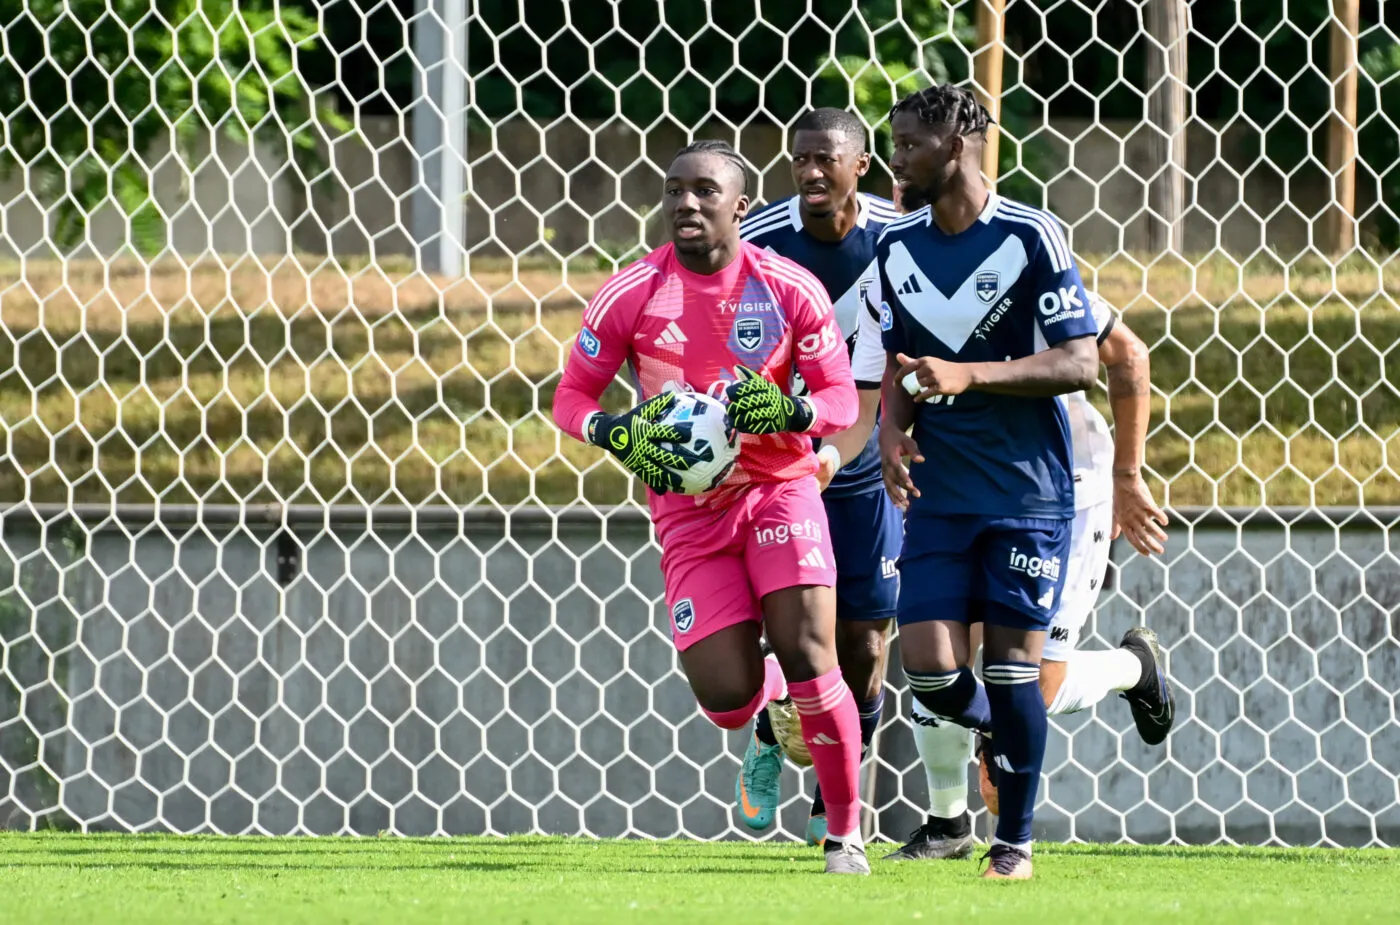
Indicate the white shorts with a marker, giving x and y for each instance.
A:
(1088, 564)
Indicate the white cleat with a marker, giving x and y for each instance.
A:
(846, 858)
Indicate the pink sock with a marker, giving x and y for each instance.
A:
(831, 729)
(774, 688)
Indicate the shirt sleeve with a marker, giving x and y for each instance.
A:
(597, 354)
(819, 352)
(1061, 301)
(1105, 316)
(868, 357)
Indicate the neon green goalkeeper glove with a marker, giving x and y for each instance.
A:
(757, 406)
(635, 439)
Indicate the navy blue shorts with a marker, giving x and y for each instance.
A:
(954, 566)
(866, 533)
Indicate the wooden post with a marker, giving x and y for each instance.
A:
(986, 73)
(1167, 25)
(1341, 127)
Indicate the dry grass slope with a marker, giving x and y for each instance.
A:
(306, 382)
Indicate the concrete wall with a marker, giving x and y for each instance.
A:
(556, 190)
(479, 675)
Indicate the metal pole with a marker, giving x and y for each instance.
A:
(986, 70)
(439, 135)
(1167, 25)
(1341, 127)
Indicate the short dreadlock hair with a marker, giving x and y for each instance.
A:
(944, 104)
(721, 149)
(830, 119)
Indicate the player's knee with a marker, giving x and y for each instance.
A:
(730, 709)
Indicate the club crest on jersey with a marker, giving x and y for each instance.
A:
(683, 615)
(748, 333)
(988, 286)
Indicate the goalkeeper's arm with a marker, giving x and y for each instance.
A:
(634, 437)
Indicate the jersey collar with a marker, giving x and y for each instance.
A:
(985, 216)
(795, 214)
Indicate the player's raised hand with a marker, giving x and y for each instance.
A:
(895, 447)
(927, 377)
(636, 439)
(758, 406)
(1135, 515)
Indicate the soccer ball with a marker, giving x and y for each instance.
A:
(712, 438)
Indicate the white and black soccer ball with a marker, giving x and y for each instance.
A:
(712, 438)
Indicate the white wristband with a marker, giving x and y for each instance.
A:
(588, 423)
(828, 451)
(911, 384)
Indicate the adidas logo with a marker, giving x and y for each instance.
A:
(671, 335)
(813, 559)
(910, 286)
(822, 738)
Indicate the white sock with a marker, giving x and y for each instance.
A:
(945, 749)
(851, 839)
(1026, 847)
(1092, 676)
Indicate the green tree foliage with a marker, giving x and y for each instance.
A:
(89, 86)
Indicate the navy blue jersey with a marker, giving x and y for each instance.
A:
(847, 269)
(1005, 288)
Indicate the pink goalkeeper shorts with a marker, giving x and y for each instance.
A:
(718, 565)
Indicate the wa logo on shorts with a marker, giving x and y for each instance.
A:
(683, 615)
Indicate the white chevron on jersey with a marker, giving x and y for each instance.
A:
(952, 319)
(848, 306)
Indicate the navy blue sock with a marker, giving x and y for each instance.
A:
(1019, 728)
(870, 717)
(956, 696)
(869, 721)
(763, 728)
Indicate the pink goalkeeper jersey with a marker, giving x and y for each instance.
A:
(682, 330)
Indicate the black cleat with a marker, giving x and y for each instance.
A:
(1006, 863)
(938, 840)
(1152, 701)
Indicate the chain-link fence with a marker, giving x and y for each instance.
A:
(293, 545)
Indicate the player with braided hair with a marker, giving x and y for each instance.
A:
(710, 313)
(986, 329)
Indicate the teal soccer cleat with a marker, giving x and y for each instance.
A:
(757, 789)
(816, 830)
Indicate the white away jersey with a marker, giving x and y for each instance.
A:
(1088, 431)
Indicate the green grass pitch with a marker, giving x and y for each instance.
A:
(153, 880)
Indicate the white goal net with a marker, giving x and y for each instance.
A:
(290, 544)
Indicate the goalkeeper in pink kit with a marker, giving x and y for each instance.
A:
(709, 313)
